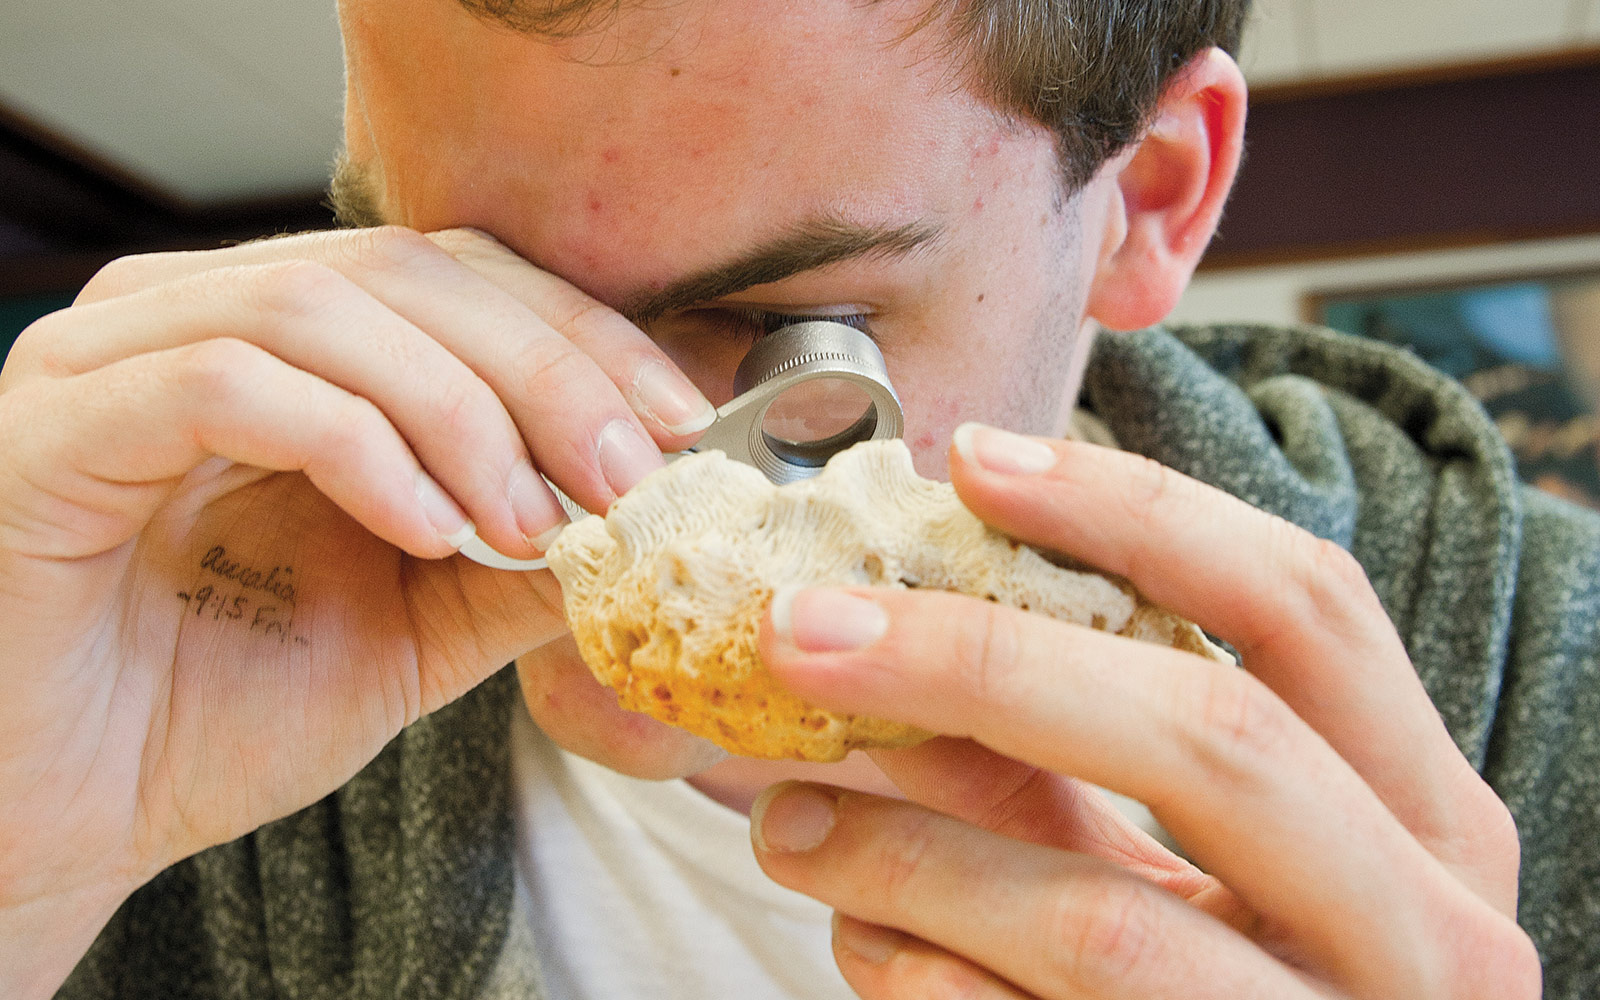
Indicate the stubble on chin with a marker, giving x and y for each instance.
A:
(353, 195)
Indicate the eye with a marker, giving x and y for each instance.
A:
(750, 325)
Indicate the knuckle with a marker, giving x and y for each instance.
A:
(34, 350)
(1493, 959)
(1479, 831)
(462, 242)
(900, 858)
(984, 652)
(1015, 803)
(389, 248)
(1233, 726)
(1523, 969)
(358, 423)
(120, 277)
(463, 407)
(941, 977)
(290, 290)
(585, 317)
(1152, 489)
(218, 370)
(1107, 933)
(1333, 579)
(1500, 844)
(554, 363)
(1156, 501)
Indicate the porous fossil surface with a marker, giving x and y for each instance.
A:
(665, 594)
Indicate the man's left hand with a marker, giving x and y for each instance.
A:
(1341, 845)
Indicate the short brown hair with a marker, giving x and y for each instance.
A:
(1091, 71)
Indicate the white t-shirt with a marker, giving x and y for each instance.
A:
(641, 889)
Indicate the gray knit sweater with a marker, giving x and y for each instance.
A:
(400, 883)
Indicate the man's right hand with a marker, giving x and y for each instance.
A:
(229, 484)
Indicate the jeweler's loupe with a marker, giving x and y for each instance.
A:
(804, 394)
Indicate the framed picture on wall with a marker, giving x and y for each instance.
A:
(1527, 346)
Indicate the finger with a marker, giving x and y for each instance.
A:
(483, 301)
(1298, 608)
(563, 395)
(880, 963)
(1218, 758)
(317, 320)
(967, 781)
(1053, 923)
(100, 451)
(670, 405)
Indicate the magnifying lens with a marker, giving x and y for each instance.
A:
(803, 394)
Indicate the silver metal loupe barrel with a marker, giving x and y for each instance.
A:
(803, 352)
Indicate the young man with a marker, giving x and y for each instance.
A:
(231, 485)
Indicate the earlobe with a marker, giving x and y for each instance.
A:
(1165, 196)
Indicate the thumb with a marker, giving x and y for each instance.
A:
(473, 620)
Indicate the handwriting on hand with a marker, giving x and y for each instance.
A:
(232, 600)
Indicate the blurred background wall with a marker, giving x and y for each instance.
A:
(1422, 171)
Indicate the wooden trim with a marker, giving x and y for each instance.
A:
(1428, 166)
(1422, 76)
(1220, 260)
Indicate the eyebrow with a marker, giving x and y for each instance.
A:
(806, 246)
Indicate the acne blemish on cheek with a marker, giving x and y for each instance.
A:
(611, 155)
(594, 204)
(923, 441)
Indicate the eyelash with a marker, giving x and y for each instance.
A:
(750, 325)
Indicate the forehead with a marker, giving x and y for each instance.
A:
(625, 158)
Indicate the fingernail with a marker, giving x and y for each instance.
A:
(539, 517)
(869, 942)
(626, 456)
(544, 541)
(826, 621)
(790, 818)
(1002, 451)
(442, 512)
(672, 400)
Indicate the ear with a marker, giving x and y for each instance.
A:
(1163, 198)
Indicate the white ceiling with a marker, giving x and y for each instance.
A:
(211, 100)
(218, 100)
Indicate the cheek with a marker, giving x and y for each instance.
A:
(939, 391)
(1008, 366)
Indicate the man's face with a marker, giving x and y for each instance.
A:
(698, 134)
(687, 136)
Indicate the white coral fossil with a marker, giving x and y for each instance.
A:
(665, 594)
